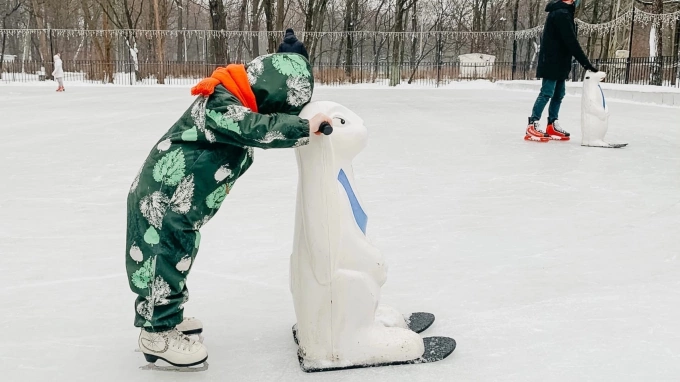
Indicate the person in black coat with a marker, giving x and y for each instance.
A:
(291, 44)
(559, 44)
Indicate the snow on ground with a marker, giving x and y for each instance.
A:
(546, 262)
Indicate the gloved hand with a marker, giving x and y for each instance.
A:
(592, 68)
(315, 123)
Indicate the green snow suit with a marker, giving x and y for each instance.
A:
(190, 171)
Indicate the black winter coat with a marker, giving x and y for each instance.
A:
(291, 44)
(559, 43)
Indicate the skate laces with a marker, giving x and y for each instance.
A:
(537, 126)
(179, 340)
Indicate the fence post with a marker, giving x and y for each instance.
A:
(630, 44)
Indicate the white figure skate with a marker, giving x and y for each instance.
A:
(175, 348)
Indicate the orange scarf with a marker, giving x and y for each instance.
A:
(235, 79)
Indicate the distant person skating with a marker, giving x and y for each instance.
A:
(291, 44)
(558, 45)
(58, 72)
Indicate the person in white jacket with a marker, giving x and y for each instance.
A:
(58, 72)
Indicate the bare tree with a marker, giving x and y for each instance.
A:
(657, 74)
(12, 7)
(39, 14)
(161, 9)
(218, 22)
(241, 26)
(125, 14)
(255, 26)
(351, 14)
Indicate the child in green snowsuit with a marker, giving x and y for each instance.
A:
(187, 175)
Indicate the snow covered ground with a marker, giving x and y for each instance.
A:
(546, 262)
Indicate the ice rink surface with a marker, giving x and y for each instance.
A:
(546, 262)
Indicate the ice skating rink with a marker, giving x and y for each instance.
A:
(546, 262)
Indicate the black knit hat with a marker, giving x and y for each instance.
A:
(290, 30)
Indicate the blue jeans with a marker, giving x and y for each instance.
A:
(553, 91)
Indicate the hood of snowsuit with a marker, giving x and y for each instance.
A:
(281, 82)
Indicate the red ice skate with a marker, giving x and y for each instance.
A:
(556, 133)
(534, 133)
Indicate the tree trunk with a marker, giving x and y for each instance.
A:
(349, 28)
(241, 26)
(40, 23)
(514, 41)
(593, 37)
(615, 41)
(107, 56)
(395, 70)
(657, 70)
(414, 39)
(314, 18)
(160, 56)
(606, 46)
(218, 21)
(180, 37)
(269, 24)
(255, 26)
(4, 34)
(676, 45)
(2, 51)
(280, 14)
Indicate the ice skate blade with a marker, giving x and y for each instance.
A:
(609, 146)
(175, 367)
(558, 138)
(531, 138)
(436, 349)
(179, 369)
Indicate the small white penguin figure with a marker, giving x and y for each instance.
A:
(595, 113)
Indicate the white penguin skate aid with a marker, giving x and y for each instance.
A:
(336, 274)
(595, 113)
